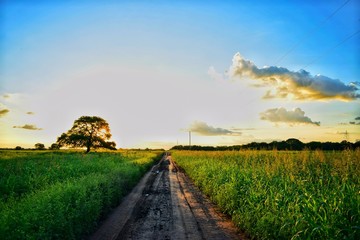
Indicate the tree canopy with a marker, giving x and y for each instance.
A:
(290, 144)
(39, 146)
(54, 146)
(89, 132)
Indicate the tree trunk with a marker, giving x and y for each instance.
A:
(88, 144)
(87, 148)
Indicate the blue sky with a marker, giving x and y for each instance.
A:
(157, 69)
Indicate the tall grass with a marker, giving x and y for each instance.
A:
(63, 195)
(282, 195)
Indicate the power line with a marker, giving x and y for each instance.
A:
(330, 49)
(310, 32)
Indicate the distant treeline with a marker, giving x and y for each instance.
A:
(290, 144)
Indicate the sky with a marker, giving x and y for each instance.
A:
(231, 72)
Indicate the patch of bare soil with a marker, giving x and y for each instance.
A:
(166, 205)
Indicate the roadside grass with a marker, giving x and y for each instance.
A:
(64, 194)
(282, 194)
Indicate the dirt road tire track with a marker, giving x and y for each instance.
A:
(166, 205)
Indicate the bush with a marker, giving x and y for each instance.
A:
(39, 146)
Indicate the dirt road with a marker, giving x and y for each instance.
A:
(166, 205)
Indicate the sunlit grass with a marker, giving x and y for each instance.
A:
(282, 195)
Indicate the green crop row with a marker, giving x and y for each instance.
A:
(63, 194)
(282, 195)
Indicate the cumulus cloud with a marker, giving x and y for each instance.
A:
(241, 129)
(204, 129)
(300, 85)
(349, 123)
(215, 75)
(28, 127)
(281, 115)
(3, 112)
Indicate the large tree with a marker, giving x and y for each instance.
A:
(89, 132)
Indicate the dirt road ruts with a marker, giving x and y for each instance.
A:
(166, 205)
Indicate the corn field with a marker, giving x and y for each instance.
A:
(64, 194)
(282, 195)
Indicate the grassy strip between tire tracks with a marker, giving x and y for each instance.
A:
(282, 195)
(64, 194)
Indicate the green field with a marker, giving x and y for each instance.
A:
(64, 194)
(282, 194)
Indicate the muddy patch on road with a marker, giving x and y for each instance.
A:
(166, 205)
(152, 216)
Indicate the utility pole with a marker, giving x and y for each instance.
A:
(346, 135)
(190, 139)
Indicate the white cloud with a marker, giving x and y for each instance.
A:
(204, 129)
(281, 115)
(215, 75)
(28, 127)
(12, 97)
(3, 112)
(300, 85)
